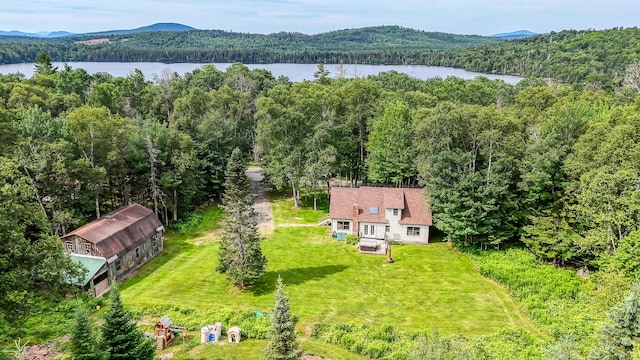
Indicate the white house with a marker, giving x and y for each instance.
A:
(379, 214)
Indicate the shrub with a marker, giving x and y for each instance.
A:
(377, 349)
(351, 239)
(188, 222)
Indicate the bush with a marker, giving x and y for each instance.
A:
(351, 239)
(377, 349)
(187, 223)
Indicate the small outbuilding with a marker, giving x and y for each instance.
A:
(125, 238)
(163, 332)
(234, 334)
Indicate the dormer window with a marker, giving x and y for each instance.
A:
(395, 212)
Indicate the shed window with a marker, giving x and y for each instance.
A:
(118, 264)
(395, 212)
(137, 252)
(69, 246)
(343, 225)
(154, 241)
(413, 230)
(87, 248)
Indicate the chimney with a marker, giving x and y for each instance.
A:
(354, 215)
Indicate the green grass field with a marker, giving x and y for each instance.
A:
(429, 287)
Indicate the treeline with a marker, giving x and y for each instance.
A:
(595, 59)
(11, 53)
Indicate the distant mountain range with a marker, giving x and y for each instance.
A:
(175, 27)
(519, 34)
(171, 27)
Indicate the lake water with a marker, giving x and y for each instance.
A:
(295, 72)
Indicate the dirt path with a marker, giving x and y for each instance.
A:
(262, 205)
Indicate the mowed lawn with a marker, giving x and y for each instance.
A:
(430, 287)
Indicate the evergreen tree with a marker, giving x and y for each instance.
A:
(619, 336)
(84, 344)
(121, 337)
(282, 336)
(240, 253)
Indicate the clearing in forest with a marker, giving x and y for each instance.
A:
(431, 287)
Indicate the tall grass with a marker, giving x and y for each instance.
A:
(559, 301)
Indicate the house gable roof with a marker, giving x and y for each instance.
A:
(409, 201)
(120, 230)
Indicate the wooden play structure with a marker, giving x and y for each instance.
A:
(163, 333)
(234, 334)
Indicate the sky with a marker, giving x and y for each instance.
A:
(481, 17)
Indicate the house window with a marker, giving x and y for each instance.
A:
(343, 225)
(118, 264)
(366, 229)
(373, 209)
(87, 248)
(70, 246)
(395, 212)
(137, 252)
(373, 230)
(387, 228)
(413, 231)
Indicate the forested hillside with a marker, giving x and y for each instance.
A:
(382, 44)
(592, 58)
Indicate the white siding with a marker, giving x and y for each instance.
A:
(378, 233)
(334, 226)
(395, 229)
(423, 238)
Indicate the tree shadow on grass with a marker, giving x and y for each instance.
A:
(295, 276)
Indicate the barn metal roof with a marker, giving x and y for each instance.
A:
(92, 263)
(120, 230)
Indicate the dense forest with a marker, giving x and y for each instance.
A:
(551, 168)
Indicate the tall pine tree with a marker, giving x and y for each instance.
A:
(120, 336)
(241, 257)
(619, 336)
(282, 336)
(84, 343)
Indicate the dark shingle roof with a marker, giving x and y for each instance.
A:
(120, 230)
